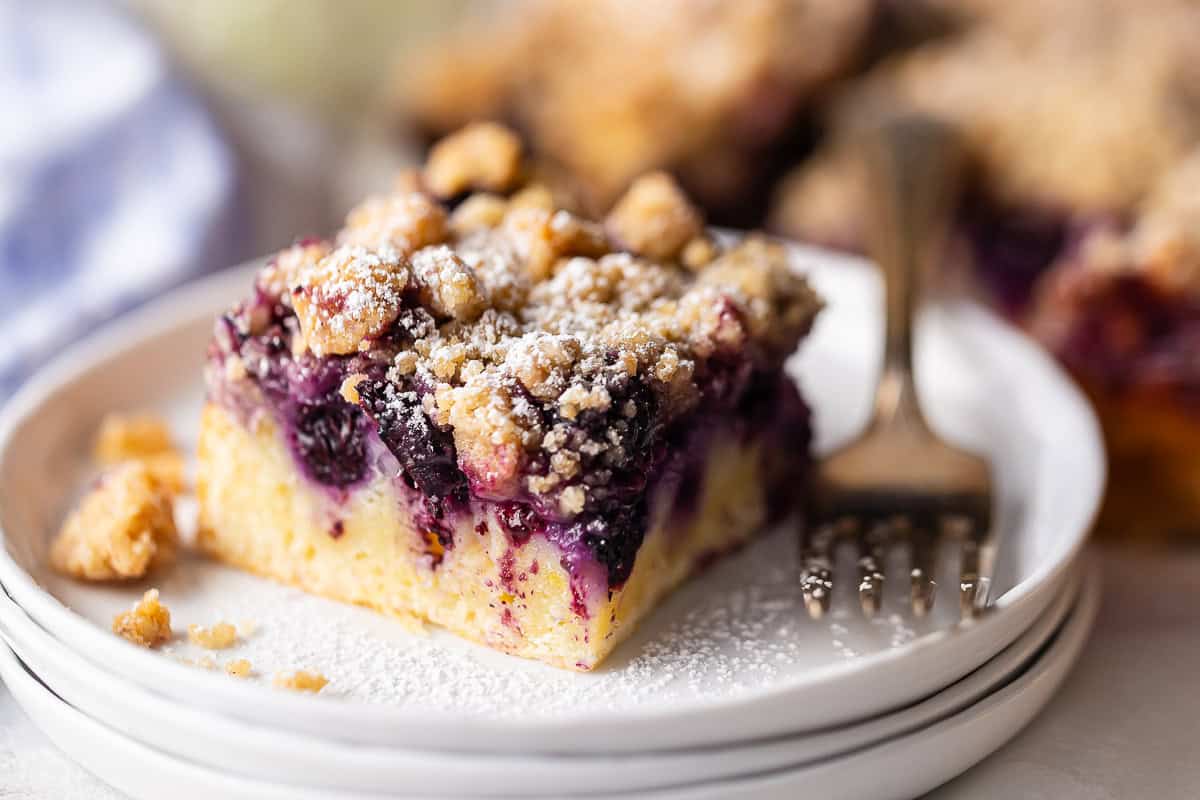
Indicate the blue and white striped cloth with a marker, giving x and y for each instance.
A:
(114, 182)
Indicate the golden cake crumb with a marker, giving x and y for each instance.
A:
(217, 637)
(654, 218)
(238, 668)
(300, 681)
(123, 528)
(147, 624)
(483, 156)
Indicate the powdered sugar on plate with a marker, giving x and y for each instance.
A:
(739, 626)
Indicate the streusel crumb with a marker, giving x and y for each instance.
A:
(405, 222)
(218, 637)
(123, 528)
(483, 156)
(147, 624)
(531, 337)
(349, 297)
(300, 681)
(238, 668)
(145, 438)
(654, 218)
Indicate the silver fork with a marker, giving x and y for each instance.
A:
(899, 485)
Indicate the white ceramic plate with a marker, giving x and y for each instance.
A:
(905, 766)
(727, 659)
(243, 749)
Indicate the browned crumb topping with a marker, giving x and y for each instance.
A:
(300, 681)
(147, 624)
(654, 218)
(611, 89)
(217, 637)
(123, 528)
(238, 668)
(483, 157)
(520, 316)
(1096, 106)
(145, 438)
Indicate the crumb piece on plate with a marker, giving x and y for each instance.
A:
(238, 668)
(145, 438)
(247, 627)
(216, 637)
(300, 681)
(123, 437)
(147, 624)
(484, 156)
(123, 528)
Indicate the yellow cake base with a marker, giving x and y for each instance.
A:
(1154, 467)
(259, 513)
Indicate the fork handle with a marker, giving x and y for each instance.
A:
(915, 162)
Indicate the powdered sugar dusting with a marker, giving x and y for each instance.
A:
(736, 628)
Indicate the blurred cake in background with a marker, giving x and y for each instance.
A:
(1081, 215)
(715, 92)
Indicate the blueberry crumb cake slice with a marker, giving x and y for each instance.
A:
(484, 412)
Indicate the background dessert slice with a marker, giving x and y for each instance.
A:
(494, 419)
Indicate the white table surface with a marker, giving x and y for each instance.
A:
(1125, 725)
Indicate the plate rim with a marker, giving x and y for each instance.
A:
(162, 315)
(1053, 663)
(36, 648)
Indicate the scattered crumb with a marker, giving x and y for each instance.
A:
(123, 437)
(300, 681)
(123, 528)
(218, 637)
(247, 627)
(238, 668)
(144, 438)
(147, 624)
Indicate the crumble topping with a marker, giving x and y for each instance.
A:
(300, 681)
(483, 156)
(1081, 114)
(218, 637)
(611, 89)
(349, 297)
(123, 528)
(406, 221)
(654, 218)
(543, 349)
(147, 624)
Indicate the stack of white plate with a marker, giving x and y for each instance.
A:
(728, 691)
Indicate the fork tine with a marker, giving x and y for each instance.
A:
(922, 570)
(969, 583)
(870, 567)
(816, 570)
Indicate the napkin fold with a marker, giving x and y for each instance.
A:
(114, 181)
